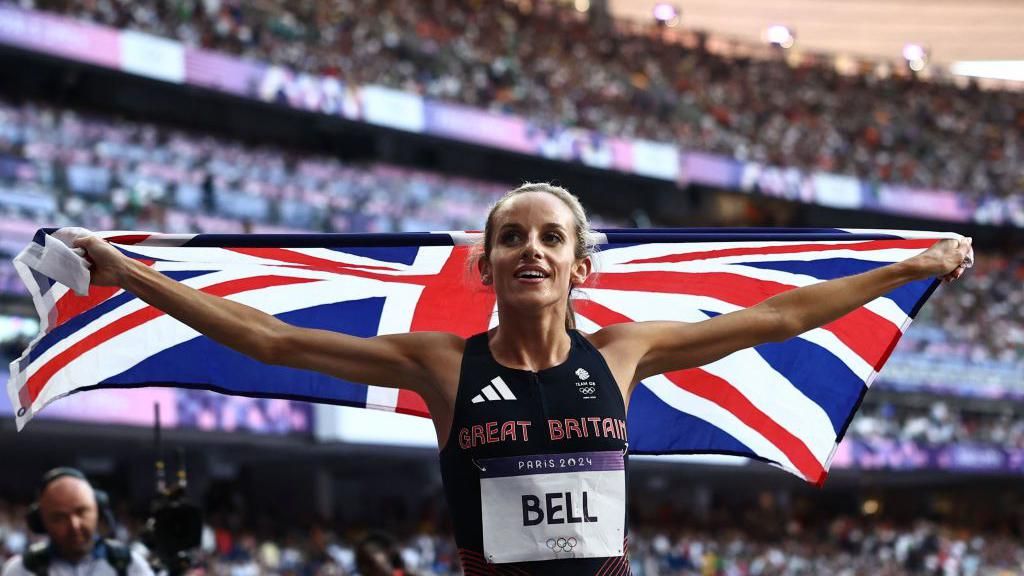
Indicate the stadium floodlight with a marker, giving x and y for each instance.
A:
(916, 56)
(667, 14)
(995, 69)
(581, 5)
(780, 35)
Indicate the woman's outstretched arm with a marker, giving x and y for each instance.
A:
(659, 347)
(401, 360)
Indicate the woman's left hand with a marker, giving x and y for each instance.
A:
(948, 259)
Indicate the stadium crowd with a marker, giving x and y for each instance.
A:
(63, 167)
(844, 546)
(937, 424)
(544, 61)
(980, 321)
(60, 166)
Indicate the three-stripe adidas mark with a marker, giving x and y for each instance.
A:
(496, 390)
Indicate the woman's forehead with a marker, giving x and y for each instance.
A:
(534, 208)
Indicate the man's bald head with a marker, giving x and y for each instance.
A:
(68, 510)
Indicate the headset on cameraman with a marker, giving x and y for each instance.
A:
(38, 557)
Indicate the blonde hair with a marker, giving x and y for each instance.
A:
(584, 247)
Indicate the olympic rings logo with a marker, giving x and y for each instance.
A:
(560, 545)
(586, 390)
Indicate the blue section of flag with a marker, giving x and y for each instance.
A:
(396, 254)
(654, 427)
(42, 282)
(135, 255)
(819, 375)
(203, 363)
(40, 236)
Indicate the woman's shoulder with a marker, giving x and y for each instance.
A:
(435, 351)
(611, 334)
(437, 342)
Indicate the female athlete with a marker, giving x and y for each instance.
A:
(530, 416)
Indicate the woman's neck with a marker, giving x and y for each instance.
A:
(530, 343)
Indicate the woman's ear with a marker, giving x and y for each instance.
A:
(484, 266)
(581, 270)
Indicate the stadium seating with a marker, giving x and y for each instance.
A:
(549, 64)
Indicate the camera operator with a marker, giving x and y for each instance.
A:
(67, 511)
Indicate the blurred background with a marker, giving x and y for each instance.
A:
(411, 115)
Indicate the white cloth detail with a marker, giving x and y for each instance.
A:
(56, 259)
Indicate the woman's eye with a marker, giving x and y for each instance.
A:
(553, 238)
(510, 237)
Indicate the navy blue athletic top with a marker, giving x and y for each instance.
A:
(500, 412)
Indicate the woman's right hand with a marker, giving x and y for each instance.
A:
(108, 265)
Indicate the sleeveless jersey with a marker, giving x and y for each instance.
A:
(530, 452)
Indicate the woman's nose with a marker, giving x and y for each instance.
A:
(531, 249)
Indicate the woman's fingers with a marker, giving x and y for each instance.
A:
(964, 257)
(81, 247)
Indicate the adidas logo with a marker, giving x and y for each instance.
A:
(496, 390)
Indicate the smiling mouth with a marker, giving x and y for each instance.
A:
(531, 276)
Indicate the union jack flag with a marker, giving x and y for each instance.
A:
(785, 403)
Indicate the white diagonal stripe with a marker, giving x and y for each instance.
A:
(751, 375)
(503, 388)
(774, 395)
(477, 399)
(490, 393)
(689, 403)
(381, 398)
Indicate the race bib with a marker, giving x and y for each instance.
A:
(553, 506)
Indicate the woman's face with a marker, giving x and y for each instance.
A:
(533, 254)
